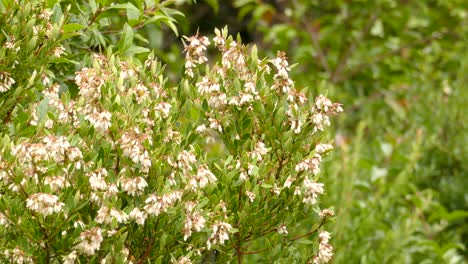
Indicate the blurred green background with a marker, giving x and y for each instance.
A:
(397, 179)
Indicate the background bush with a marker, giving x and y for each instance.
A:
(397, 179)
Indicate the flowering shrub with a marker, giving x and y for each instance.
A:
(133, 169)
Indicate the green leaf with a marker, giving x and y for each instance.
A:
(305, 241)
(156, 17)
(72, 27)
(127, 38)
(135, 50)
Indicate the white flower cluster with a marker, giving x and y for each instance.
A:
(58, 51)
(45, 204)
(321, 109)
(220, 233)
(133, 186)
(182, 260)
(97, 180)
(326, 213)
(3, 219)
(207, 86)
(259, 151)
(185, 159)
(202, 178)
(156, 205)
(246, 97)
(233, 58)
(251, 196)
(322, 148)
(163, 109)
(282, 230)
(56, 183)
(325, 252)
(107, 215)
(282, 81)
(132, 146)
(195, 48)
(70, 258)
(90, 81)
(311, 191)
(138, 215)
(217, 99)
(310, 164)
(100, 120)
(194, 221)
(90, 241)
(57, 149)
(17, 256)
(5, 82)
(140, 92)
(11, 44)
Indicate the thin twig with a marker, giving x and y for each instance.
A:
(308, 233)
(136, 27)
(95, 16)
(255, 252)
(238, 248)
(149, 246)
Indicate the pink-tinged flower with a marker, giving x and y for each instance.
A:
(90, 241)
(282, 230)
(133, 186)
(220, 233)
(325, 252)
(193, 222)
(250, 195)
(6, 82)
(312, 189)
(195, 48)
(45, 204)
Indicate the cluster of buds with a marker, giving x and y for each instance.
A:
(325, 252)
(312, 189)
(282, 81)
(321, 110)
(195, 48)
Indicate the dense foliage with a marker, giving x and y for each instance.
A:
(217, 141)
(104, 160)
(399, 67)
